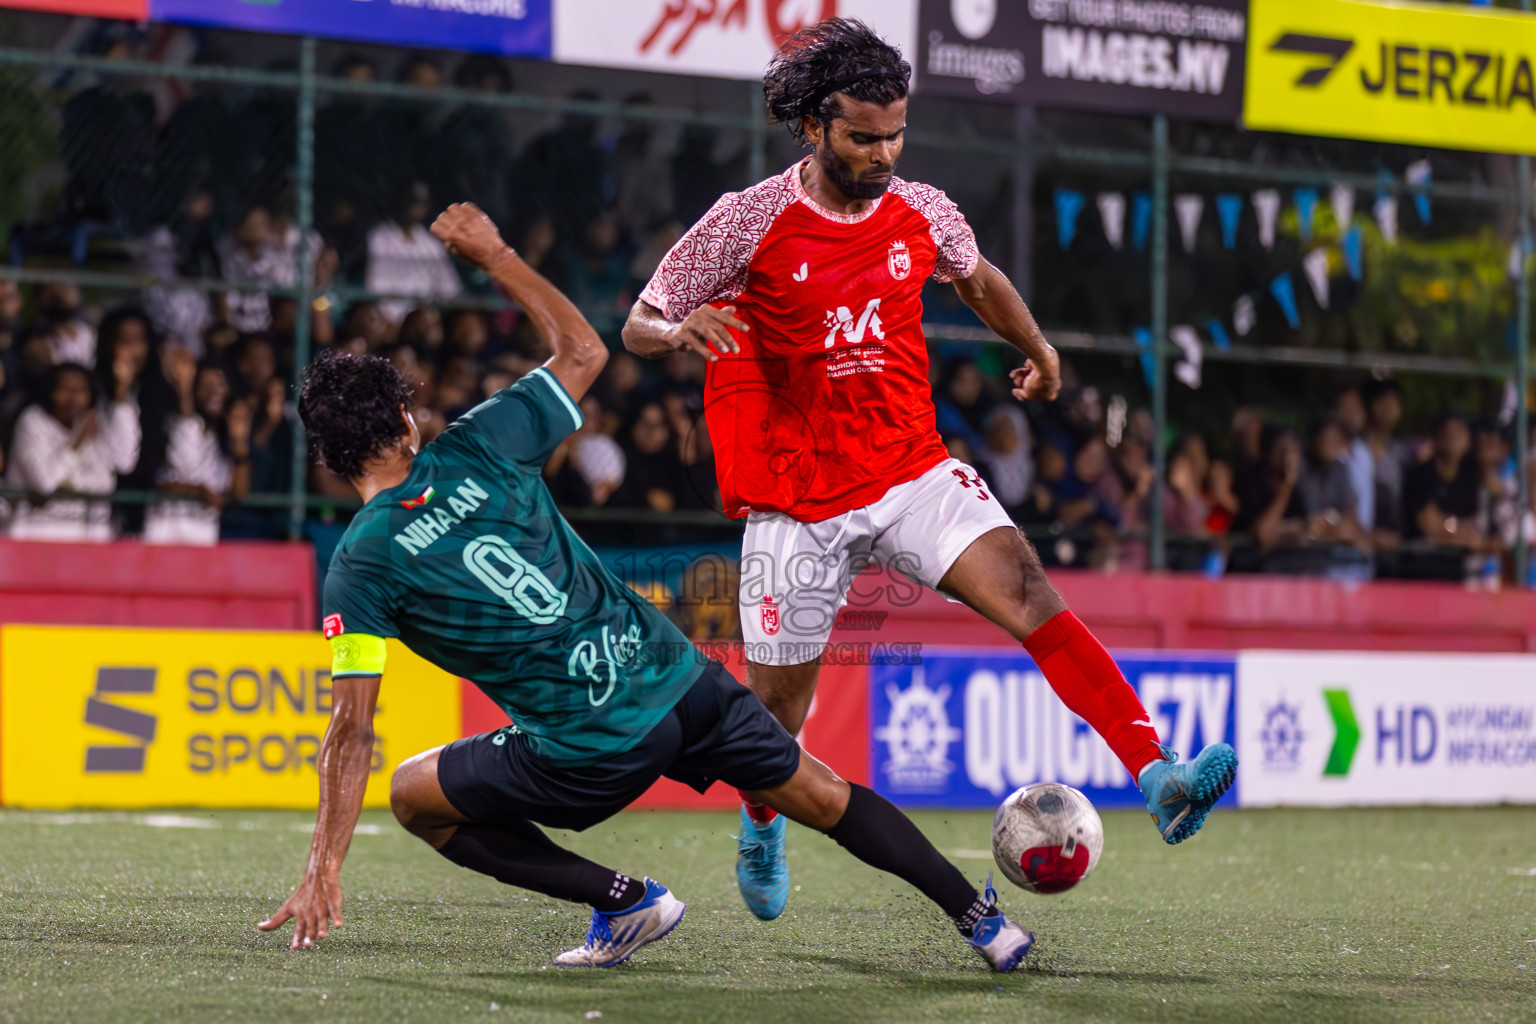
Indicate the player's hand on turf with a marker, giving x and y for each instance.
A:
(468, 233)
(314, 908)
(706, 327)
(1039, 379)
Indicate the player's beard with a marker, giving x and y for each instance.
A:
(841, 174)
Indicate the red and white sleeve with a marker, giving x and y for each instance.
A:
(958, 254)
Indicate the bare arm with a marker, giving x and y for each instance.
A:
(345, 756)
(650, 335)
(579, 354)
(992, 296)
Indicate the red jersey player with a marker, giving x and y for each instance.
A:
(805, 294)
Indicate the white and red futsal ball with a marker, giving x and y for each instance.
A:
(1047, 837)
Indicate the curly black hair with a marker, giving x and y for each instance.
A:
(838, 55)
(350, 407)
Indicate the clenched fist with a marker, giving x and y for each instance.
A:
(468, 233)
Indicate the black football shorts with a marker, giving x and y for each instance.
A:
(718, 731)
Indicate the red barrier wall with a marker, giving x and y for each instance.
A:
(1191, 613)
(236, 585)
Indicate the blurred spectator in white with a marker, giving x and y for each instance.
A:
(125, 365)
(1498, 512)
(404, 258)
(597, 457)
(1349, 413)
(1005, 456)
(207, 456)
(1389, 459)
(251, 258)
(1440, 494)
(64, 444)
(181, 315)
(1327, 496)
(70, 338)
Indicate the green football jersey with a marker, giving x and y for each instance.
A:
(470, 564)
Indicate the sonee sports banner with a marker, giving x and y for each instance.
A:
(1455, 77)
(1118, 56)
(134, 718)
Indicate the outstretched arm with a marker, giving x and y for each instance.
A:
(579, 354)
(345, 757)
(989, 292)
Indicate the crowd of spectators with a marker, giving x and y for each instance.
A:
(1350, 497)
(183, 391)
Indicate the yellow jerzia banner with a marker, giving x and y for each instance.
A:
(1454, 77)
(130, 718)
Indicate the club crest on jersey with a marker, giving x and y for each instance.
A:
(899, 260)
(770, 610)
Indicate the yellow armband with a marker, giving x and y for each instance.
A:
(356, 654)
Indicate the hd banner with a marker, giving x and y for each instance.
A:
(1450, 76)
(720, 38)
(515, 28)
(964, 728)
(130, 718)
(132, 10)
(1118, 56)
(1365, 729)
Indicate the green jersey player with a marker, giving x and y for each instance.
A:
(459, 552)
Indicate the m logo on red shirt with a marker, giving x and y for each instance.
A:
(332, 625)
(899, 260)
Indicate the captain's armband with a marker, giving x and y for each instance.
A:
(356, 654)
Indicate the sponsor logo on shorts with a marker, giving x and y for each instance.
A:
(770, 611)
(332, 625)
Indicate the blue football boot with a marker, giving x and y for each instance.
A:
(1000, 942)
(613, 938)
(762, 873)
(1179, 796)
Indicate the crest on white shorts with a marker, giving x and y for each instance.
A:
(899, 260)
(770, 612)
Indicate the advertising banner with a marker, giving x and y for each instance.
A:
(721, 38)
(129, 718)
(1121, 56)
(1336, 729)
(134, 10)
(1455, 77)
(965, 728)
(515, 28)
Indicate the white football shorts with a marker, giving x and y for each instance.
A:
(795, 576)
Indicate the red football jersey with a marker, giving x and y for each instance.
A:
(828, 406)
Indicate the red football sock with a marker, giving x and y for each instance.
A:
(1089, 682)
(760, 813)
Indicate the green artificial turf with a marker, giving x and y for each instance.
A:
(1392, 915)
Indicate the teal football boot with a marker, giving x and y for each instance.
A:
(762, 873)
(1179, 796)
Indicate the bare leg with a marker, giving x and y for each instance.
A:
(416, 798)
(785, 690)
(1000, 576)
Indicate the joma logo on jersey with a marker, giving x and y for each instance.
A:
(853, 330)
(420, 533)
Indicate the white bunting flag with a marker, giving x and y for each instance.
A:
(1188, 341)
(1516, 259)
(1112, 216)
(1316, 265)
(1244, 315)
(1266, 206)
(1386, 216)
(1189, 208)
(1342, 199)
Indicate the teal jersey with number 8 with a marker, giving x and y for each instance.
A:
(470, 564)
